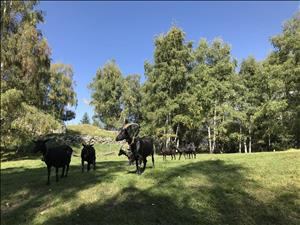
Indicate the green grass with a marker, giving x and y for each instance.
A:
(235, 189)
(87, 129)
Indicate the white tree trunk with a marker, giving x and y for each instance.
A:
(177, 139)
(209, 139)
(240, 140)
(165, 132)
(250, 141)
(245, 145)
(214, 130)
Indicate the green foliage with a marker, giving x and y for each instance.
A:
(85, 119)
(106, 94)
(197, 94)
(167, 84)
(283, 66)
(34, 98)
(61, 91)
(32, 122)
(21, 122)
(131, 98)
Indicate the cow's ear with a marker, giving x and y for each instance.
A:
(34, 141)
(46, 140)
(92, 145)
(83, 144)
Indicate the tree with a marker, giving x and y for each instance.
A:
(131, 99)
(85, 119)
(27, 83)
(20, 121)
(250, 99)
(212, 71)
(25, 55)
(106, 94)
(96, 122)
(61, 92)
(167, 83)
(283, 65)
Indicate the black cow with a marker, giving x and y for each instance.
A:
(88, 155)
(58, 157)
(141, 147)
(170, 150)
(189, 150)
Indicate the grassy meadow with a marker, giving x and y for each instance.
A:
(240, 189)
(87, 129)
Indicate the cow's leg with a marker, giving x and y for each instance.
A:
(137, 166)
(67, 170)
(88, 166)
(94, 164)
(56, 173)
(63, 171)
(153, 160)
(82, 165)
(145, 162)
(49, 171)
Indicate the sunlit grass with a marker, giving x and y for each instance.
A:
(260, 188)
(87, 129)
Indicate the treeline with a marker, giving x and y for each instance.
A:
(200, 94)
(35, 94)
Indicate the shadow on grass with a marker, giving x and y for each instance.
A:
(205, 192)
(171, 201)
(24, 190)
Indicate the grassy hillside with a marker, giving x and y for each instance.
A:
(259, 188)
(88, 129)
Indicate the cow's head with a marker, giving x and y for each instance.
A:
(87, 147)
(128, 131)
(40, 146)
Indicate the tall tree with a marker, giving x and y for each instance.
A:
(26, 76)
(283, 65)
(25, 55)
(106, 94)
(251, 75)
(167, 82)
(211, 79)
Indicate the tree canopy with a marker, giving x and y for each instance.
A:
(35, 94)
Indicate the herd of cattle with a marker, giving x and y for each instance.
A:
(139, 149)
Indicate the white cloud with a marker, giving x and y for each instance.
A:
(86, 101)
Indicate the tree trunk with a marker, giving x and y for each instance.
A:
(269, 141)
(214, 130)
(209, 139)
(165, 132)
(250, 141)
(169, 121)
(177, 139)
(245, 145)
(240, 140)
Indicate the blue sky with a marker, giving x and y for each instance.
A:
(86, 34)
